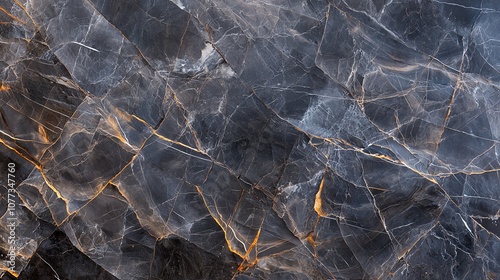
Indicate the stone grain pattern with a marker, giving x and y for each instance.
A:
(247, 139)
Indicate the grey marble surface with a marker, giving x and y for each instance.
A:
(232, 139)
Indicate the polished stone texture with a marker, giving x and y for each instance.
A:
(247, 139)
